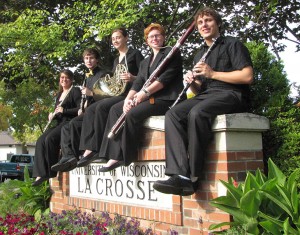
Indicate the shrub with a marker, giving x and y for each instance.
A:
(262, 204)
(21, 196)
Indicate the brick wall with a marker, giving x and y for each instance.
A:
(236, 149)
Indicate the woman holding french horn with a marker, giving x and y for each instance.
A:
(141, 102)
(48, 144)
(125, 69)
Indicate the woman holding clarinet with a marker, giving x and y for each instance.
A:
(48, 144)
(142, 102)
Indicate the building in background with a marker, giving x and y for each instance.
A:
(8, 146)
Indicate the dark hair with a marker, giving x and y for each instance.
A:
(68, 72)
(91, 51)
(70, 75)
(211, 12)
(123, 31)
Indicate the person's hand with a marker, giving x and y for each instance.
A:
(194, 84)
(128, 104)
(51, 116)
(127, 77)
(189, 77)
(202, 69)
(140, 97)
(59, 110)
(86, 91)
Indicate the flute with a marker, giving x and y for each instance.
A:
(187, 85)
(120, 122)
(54, 114)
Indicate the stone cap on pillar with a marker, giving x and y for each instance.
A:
(155, 123)
(241, 122)
(234, 122)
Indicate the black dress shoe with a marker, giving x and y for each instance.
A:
(40, 181)
(101, 160)
(65, 164)
(175, 185)
(70, 165)
(87, 159)
(110, 168)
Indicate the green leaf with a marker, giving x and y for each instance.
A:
(292, 179)
(287, 227)
(216, 226)
(275, 173)
(225, 200)
(286, 195)
(235, 192)
(250, 183)
(260, 177)
(250, 203)
(239, 217)
(295, 200)
(270, 185)
(271, 227)
(277, 200)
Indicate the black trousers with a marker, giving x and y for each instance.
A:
(94, 122)
(188, 129)
(47, 152)
(70, 137)
(124, 146)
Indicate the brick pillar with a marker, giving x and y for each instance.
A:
(236, 149)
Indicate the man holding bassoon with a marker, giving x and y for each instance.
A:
(220, 81)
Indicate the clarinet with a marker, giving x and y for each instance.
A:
(59, 105)
(187, 85)
(121, 121)
(83, 97)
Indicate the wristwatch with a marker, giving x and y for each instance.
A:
(146, 92)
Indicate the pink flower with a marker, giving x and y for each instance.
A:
(236, 184)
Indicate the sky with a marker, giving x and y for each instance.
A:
(291, 61)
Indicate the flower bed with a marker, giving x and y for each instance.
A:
(73, 222)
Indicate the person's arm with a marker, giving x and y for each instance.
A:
(128, 102)
(145, 93)
(243, 76)
(71, 108)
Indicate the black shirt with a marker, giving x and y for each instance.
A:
(228, 55)
(132, 61)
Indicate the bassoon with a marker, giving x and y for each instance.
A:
(187, 85)
(120, 122)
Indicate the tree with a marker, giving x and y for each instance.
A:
(5, 111)
(5, 115)
(30, 111)
(270, 97)
(39, 38)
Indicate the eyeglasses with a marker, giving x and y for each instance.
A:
(154, 36)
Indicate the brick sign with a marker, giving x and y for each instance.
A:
(130, 185)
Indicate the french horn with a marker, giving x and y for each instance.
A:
(109, 86)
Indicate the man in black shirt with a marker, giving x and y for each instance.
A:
(221, 84)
